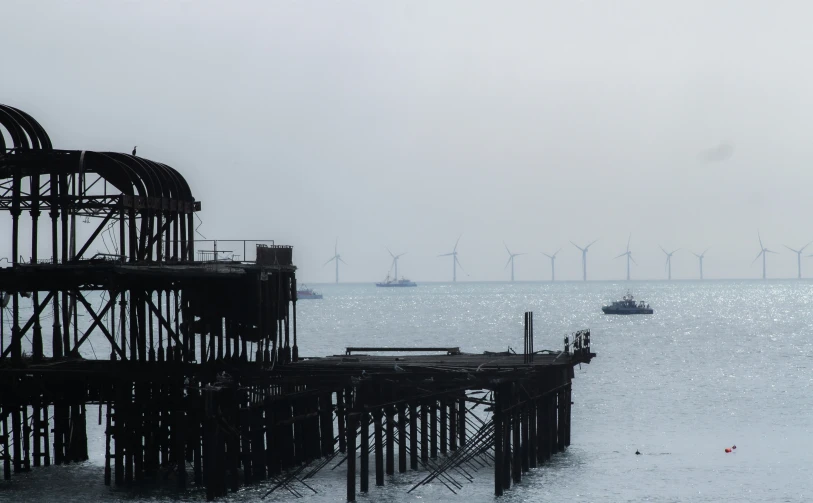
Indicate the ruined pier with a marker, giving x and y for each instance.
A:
(187, 353)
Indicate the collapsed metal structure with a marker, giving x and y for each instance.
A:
(193, 355)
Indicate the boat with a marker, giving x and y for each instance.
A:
(307, 293)
(392, 282)
(627, 305)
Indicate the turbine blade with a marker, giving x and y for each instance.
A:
(509, 261)
(633, 260)
(770, 251)
(621, 255)
(446, 254)
(591, 244)
(545, 254)
(459, 264)
(628, 242)
(805, 246)
(663, 249)
(758, 255)
(506, 248)
(704, 251)
(577, 246)
(791, 249)
(329, 261)
(458, 240)
(342, 261)
(391, 255)
(760, 240)
(557, 251)
(336, 246)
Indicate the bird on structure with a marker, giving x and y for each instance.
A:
(134, 149)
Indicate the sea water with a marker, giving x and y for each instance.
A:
(720, 363)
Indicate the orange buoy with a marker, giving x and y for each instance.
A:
(728, 449)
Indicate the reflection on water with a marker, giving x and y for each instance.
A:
(719, 363)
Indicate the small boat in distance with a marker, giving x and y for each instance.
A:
(304, 292)
(392, 282)
(627, 305)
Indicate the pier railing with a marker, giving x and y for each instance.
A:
(580, 343)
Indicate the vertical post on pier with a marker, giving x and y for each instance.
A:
(340, 417)
(402, 443)
(498, 445)
(433, 428)
(390, 439)
(506, 437)
(561, 423)
(424, 433)
(413, 435)
(6, 457)
(569, 415)
(517, 444)
(462, 421)
(532, 439)
(379, 448)
(351, 457)
(444, 422)
(15, 442)
(453, 424)
(364, 444)
(326, 413)
(524, 448)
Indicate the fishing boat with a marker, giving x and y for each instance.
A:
(627, 305)
(304, 292)
(392, 282)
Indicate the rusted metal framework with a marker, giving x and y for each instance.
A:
(116, 249)
(196, 359)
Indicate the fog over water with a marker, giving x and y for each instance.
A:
(407, 124)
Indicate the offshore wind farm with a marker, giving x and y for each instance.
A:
(546, 269)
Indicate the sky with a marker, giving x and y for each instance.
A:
(408, 124)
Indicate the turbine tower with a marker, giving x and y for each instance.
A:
(628, 254)
(700, 257)
(669, 260)
(552, 264)
(395, 261)
(798, 257)
(337, 258)
(584, 256)
(763, 252)
(455, 261)
(511, 260)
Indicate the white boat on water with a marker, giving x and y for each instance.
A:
(627, 305)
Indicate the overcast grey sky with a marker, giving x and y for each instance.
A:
(405, 124)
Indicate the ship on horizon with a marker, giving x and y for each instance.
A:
(392, 282)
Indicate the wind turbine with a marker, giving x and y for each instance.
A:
(584, 256)
(395, 261)
(552, 264)
(455, 261)
(511, 259)
(337, 258)
(628, 254)
(669, 259)
(798, 257)
(763, 252)
(700, 258)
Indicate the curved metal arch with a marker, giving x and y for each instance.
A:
(24, 130)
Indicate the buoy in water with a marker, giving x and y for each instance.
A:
(727, 450)
(637, 452)
(733, 447)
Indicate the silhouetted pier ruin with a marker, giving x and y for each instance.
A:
(189, 357)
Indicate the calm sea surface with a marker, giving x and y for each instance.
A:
(719, 363)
